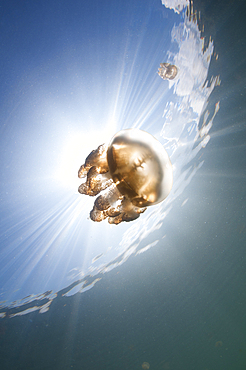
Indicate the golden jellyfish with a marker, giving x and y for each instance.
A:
(167, 71)
(145, 365)
(134, 170)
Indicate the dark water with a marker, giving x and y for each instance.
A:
(185, 311)
(144, 312)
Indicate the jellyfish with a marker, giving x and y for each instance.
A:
(145, 365)
(132, 173)
(167, 71)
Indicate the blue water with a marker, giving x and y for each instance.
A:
(181, 304)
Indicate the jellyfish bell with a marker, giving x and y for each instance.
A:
(140, 167)
(145, 365)
(134, 171)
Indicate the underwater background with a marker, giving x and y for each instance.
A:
(180, 304)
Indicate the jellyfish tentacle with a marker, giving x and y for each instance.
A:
(109, 199)
(127, 212)
(101, 203)
(96, 215)
(97, 158)
(96, 182)
(82, 171)
(113, 211)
